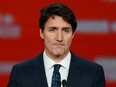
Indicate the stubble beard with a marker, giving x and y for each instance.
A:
(60, 53)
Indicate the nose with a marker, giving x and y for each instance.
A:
(59, 36)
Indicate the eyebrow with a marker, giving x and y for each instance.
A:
(67, 27)
(54, 27)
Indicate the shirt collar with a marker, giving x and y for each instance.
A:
(49, 62)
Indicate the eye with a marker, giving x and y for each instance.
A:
(66, 30)
(52, 30)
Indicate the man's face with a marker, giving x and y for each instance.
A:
(57, 36)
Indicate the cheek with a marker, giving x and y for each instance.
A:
(68, 43)
(68, 40)
(48, 41)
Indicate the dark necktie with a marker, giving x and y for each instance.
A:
(56, 79)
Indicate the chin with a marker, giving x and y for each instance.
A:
(58, 54)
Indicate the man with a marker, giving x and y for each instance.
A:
(57, 27)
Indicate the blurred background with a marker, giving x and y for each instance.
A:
(95, 37)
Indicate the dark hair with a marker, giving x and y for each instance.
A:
(60, 10)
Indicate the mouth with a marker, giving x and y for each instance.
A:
(59, 44)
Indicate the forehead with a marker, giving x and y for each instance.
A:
(57, 21)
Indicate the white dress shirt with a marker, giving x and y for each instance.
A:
(64, 69)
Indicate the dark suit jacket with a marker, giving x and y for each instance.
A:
(82, 73)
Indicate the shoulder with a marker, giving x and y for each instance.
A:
(84, 62)
(28, 64)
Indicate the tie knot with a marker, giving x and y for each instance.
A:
(57, 67)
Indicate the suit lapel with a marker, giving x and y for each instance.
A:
(74, 76)
(39, 72)
(75, 72)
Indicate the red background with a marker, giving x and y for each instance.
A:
(29, 44)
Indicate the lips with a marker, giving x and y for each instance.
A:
(58, 44)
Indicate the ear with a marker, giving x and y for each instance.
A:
(41, 34)
(73, 35)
